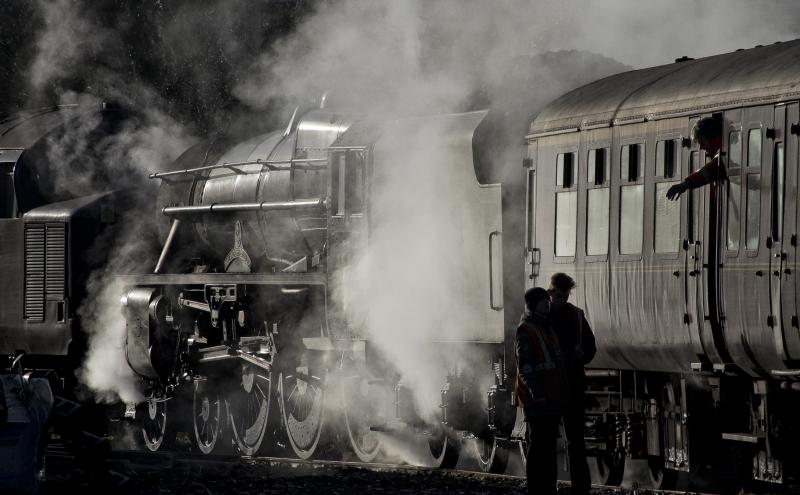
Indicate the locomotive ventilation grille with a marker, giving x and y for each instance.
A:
(45, 266)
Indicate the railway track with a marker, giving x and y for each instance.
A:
(136, 472)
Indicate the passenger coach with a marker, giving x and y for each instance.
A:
(694, 303)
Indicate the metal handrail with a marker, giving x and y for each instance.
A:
(309, 163)
(301, 204)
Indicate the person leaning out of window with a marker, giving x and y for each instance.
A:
(707, 132)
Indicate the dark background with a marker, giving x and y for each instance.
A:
(188, 53)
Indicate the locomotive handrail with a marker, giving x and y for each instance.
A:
(301, 204)
(785, 372)
(301, 163)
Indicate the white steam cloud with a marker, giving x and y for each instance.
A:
(144, 144)
(426, 57)
(143, 149)
(65, 43)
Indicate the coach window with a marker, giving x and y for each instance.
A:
(566, 204)
(631, 200)
(734, 209)
(694, 164)
(666, 234)
(666, 162)
(754, 149)
(753, 188)
(597, 203)
(778, 186)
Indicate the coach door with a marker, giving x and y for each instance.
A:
(748, 240)
(784, 220)
(692, 247)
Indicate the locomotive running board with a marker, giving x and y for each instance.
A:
(289, 278)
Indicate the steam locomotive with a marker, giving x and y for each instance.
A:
(248, 321)
(249, 297)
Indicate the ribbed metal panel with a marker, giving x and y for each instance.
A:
(45, 266)
(55, 261)
(34, 271)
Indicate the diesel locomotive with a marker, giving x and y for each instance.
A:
(262, 325)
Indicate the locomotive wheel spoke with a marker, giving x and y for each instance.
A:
(363, 406)
(154, 424)
(208, 419)
(248, 409)
(302, 405)
(492, 457)
(444, 449)
(606, 468)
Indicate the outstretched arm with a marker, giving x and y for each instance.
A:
(705, 175)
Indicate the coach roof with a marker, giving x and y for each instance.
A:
(765, 74)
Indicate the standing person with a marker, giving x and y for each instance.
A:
(707, 132)
(540, 389)
(578, 346)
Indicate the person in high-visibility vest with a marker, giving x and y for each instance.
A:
(541, 389)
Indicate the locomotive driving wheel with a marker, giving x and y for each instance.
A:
(492, 457)
(606, 468)
(301, 395)
(363, 408)
(208, 416)
(444, 448)
(248, 408)
(661, 477)
(154, 423)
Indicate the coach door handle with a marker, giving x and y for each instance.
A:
(492, 303)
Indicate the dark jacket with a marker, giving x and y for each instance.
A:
(575, 336)
(541, 386)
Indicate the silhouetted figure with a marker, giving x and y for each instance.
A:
(707, 132)
(541, 389)
(577, 344)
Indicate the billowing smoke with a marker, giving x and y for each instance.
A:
(426, 57)
(66, 42)
(90, 161)
(138, 149)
